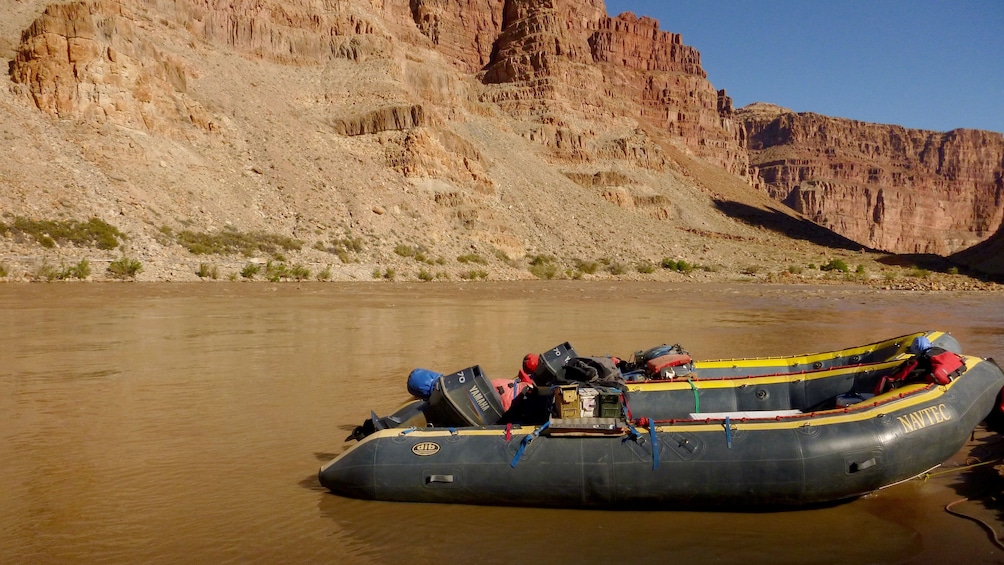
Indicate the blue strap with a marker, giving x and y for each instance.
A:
(526, 441)
(655, 445)
(408, 431)
(728, 432)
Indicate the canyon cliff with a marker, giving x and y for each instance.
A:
(887, 187)
(383, 136)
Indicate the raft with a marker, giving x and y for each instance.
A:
(763, 432)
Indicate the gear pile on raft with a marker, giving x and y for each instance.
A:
(662, 430)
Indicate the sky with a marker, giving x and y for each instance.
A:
(925, 64)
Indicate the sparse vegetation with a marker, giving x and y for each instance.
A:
(207, 270)
(680, 266)
(474, 274)
(80, 271)
(125, 268)
(586, 267)
(250, 270)
(47, 233)
(502, 256)
(919, 273)
(4, 271)
(472, 258)
(424, 275)
(386, 274)
(543, 267)
(231, 241)
(794, 269)
(836, 265)
(325, 274)
(645, 267)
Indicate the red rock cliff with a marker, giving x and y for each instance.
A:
(884, 186)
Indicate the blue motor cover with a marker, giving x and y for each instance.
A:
(421, 382)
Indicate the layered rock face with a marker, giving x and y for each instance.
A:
(88, 59)
(884, 186)
(565, 63)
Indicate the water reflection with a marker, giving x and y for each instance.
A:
(160, 423)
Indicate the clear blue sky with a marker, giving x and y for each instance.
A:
(926, 64)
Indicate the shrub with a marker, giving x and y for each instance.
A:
(836, 265)
(81, 270)
(405, 250)
(250, 270)
(325, 274)
(46, 271)
(424, 275)
(685, 267)
(274, 272)
(207, 270)
(92, 233)
(472, 258)
(751, 270)
(544, 270)
(502, 256)
(298, 272)
(587, 267)
(645, 267)
(125, 268)
(3, 270)
(919, 273)
(387, 274)
(860, 270)
(616, 268)
(953, 270)
(795, 269)
(232, 241)
(474, 274)
(668, 263)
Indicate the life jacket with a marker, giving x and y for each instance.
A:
(509, 390)
(934, 366)
(945, 367)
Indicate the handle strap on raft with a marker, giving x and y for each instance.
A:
(526, 441)
(408, 430)
(697, 399)
(634, 435)
(728, 432)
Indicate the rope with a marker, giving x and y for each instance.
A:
(926, 476)
(987, 527)
(697, 399)
(948, 507)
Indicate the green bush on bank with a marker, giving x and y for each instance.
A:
(47, 233)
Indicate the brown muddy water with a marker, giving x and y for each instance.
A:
(184, 423)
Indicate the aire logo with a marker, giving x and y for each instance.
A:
(425, 448)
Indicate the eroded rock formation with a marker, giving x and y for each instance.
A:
(89, 59)
(884, 186)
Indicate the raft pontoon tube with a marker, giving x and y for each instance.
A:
(778, 431)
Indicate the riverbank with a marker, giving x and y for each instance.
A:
(151, 261)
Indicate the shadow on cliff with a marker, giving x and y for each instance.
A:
(779, 222)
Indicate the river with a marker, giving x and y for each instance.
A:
(185, 422)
